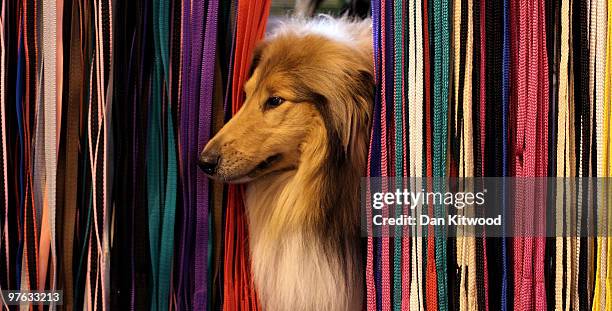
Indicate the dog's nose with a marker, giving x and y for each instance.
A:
(208, 163)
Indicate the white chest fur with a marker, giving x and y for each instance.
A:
(292, 268)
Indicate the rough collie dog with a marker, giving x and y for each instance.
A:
(300, 143)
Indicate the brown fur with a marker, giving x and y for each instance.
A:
(302, 161)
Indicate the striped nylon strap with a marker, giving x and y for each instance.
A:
(190, 291)
(199, 41)
(381, 158)
(161, 207)
(458, 67)
(378, 272)
(173, 56)
(541, 155)
(583, 142)
(4, 182)
(408, 88)
(505, 89)
(552, 10)
(400, 256)
(39, 179)
(167, 233)
(590, 241)
(30, 212)
(57, 223)
(519, 53)
(441, 45)
(206, 103)
(5, 248)
(608, 147)
(20, 158)
(130, 189)
(431, 279)
(71, 152)
(52, 111)
(33, 201)
(372, 296)
(183, 275)
(415, 132)
(600, 38)
(98, 278)
(59, 60)
(479, 133)
(155, 166)
(562, 283)
(139, 288)
(227, 15)
(493, 129)
(238, 290)
(463, 47)
(386, 81)
(46, 148)
(530, 153)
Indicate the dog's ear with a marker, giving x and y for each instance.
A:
(359, 114)
(366, 79)
(363, 93)
(257, 53)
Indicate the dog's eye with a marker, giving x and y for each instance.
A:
(274, 102)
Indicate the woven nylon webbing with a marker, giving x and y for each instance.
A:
(530, 152)
(98, 278)
(4, 183)
(563, 120)
(71, 152)
(581, 52)
(372, 296)
(429, 257)
(133, 95)
(600, 37)
(30, 212)
(239, 293)
(50, 138)
(469, 276)
(183, 284)
(608, 146)
(415, 96)
(399, 140)
(161, 171)
(441, 44)
(592, 158)
(155, 164)
(506, 62)
(385, 131)
(206, 76)
(206, 102)
(383, 247)
(479, 141)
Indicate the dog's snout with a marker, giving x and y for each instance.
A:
(208, 162)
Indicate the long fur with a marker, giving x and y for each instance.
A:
(303, 212)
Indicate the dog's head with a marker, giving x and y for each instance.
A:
(309, 86)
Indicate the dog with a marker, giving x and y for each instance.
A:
(351, 7)
(300, 143)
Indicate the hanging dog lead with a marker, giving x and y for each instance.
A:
(238, 290)
(441, 45)
(101, 77)
(415, 95)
